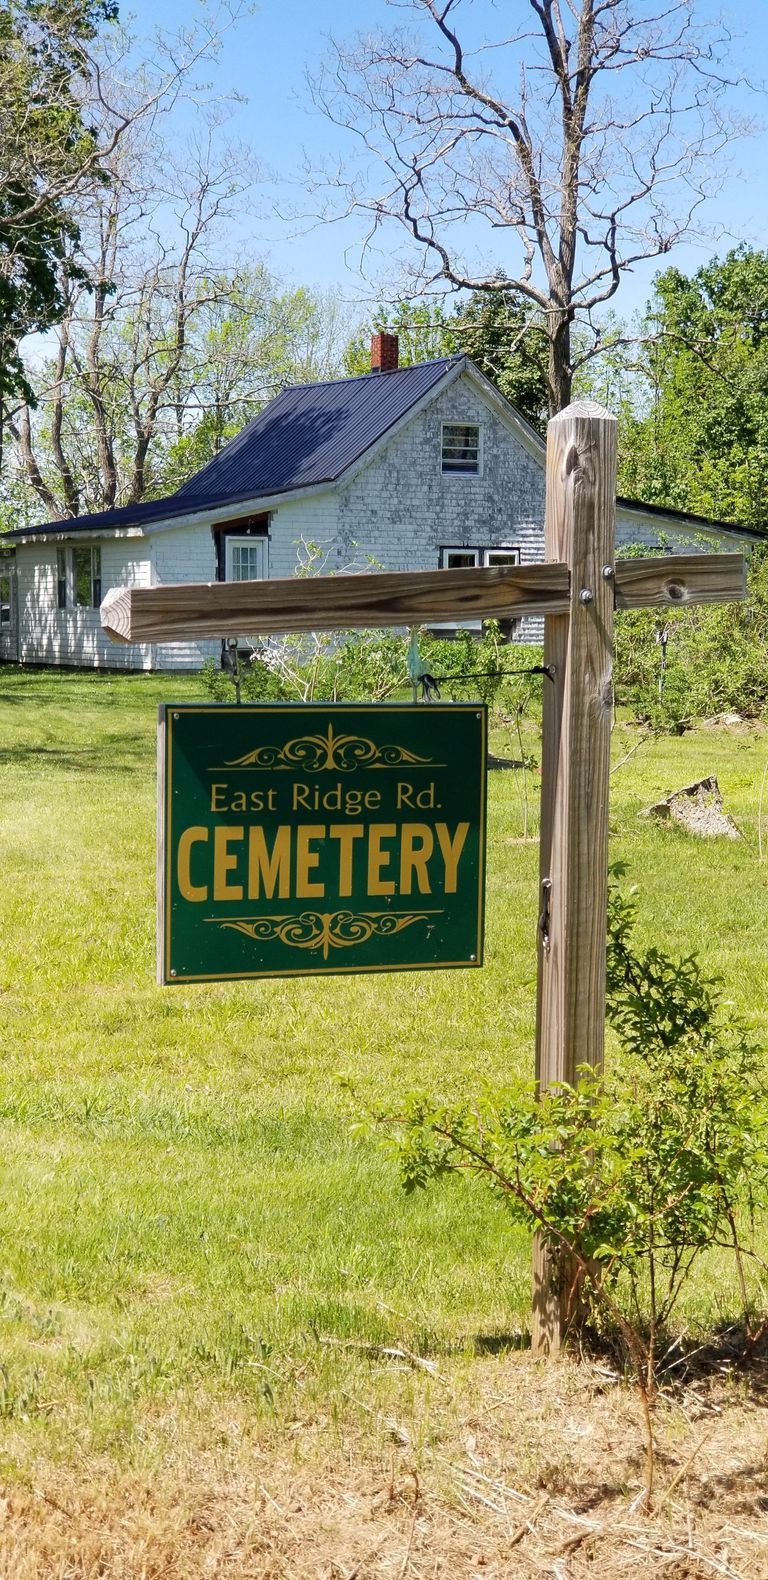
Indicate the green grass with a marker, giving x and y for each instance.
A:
(185, 1210)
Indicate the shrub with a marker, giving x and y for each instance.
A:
(258, 683)
(717, 658)
(356, 666)
(631, 1177)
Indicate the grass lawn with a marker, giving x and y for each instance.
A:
(185, 1213)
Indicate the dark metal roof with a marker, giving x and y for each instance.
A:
(312, 433)
(308, 435)
(100, 520)
(685, 518)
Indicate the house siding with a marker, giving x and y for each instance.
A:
(402, 509)
(183, 554)
(73, 636)
(8, 651)
(311, 521)
(396, 512)
(633, 532)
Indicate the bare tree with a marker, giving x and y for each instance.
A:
(70, 97)
(140, 273)
(166, 346)
(589, 138)
(53, 166)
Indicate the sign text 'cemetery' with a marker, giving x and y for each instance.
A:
(300, 840)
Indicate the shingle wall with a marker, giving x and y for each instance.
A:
(400, 510)
(650, 534)
(49, 635)
(314, 520)
(183, 554)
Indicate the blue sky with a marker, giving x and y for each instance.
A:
(265, 58)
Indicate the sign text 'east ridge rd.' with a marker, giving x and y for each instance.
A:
(323, 838)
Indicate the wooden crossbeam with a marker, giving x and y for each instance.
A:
(670, 580)
(195, 611)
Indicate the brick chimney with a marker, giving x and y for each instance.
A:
(385, 351)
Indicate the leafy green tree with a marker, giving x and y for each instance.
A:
(72, 100)
(506, 337)
(165, 346)
(700, 442)
(425, 331)
(47, 152)
(142, 392)
(717, 658)
(249, 340)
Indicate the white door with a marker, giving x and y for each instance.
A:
(245, 559)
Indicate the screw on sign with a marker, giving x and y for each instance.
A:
(576, 590)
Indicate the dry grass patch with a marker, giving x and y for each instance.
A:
(530, 1469)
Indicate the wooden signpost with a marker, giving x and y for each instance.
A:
(577, 591)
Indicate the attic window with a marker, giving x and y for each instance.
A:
(461, 447)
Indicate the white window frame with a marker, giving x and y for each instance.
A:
(502, 548)
(63, 580)
(461, 471)
(93, 550)
(457, 548)
(482, 553)
(6, 608)
(251, 540)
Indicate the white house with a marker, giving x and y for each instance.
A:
(412, 468)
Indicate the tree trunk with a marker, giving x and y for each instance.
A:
(22, 436)
(559, 370)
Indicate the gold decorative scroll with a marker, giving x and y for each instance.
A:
(326, 930)
(314, 753)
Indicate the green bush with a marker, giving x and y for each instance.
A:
(717, 658)
(630, 1177)
(352, 667)
(360, 666)
(258, 683)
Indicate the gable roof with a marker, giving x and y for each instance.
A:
(313, 432)
(309, 435)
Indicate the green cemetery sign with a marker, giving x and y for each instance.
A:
(299, 840)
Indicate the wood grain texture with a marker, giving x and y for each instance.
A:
(676, 579)
(190, 611)
(330, 603)
(576, 738)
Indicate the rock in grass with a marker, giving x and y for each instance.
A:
(698, 808)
